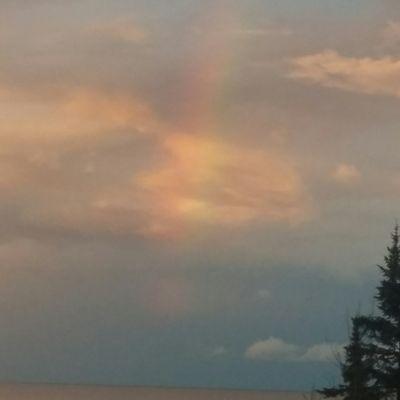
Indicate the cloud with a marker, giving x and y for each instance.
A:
(199, 180)
(58, 157)
(53, 143)
(366, 75)
(208, 181)
(71, 111)
(275, 349)
(105, 111)
(323, 352)
(346, 174)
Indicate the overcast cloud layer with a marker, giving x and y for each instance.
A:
(193, 193)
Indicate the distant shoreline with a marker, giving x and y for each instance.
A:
(161, 387)
(28, 391)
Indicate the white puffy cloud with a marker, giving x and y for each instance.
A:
(322, 352)
(275, 349)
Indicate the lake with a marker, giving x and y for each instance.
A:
(61, 392)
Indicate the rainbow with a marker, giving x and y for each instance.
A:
(205, 84)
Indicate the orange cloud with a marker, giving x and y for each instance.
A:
(33, 124)
(104, 111)
(208, 181)
(71, 112)
(200, 180)
(363, 75)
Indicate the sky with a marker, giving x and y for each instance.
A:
(193, 193)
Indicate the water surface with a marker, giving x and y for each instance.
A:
(60, 392)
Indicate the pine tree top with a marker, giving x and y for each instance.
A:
(391, 267)
(388, 295)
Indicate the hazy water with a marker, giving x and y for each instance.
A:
(57, 392)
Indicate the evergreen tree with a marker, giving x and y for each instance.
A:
(384, 330)
(356, 369)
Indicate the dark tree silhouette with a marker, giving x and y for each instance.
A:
(384, 329)
(356, 369)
